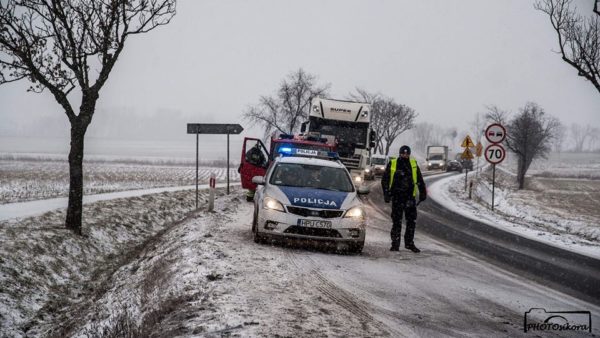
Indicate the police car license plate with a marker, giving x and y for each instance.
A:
(312, 223)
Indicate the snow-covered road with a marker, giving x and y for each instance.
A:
(225, 284)
(33, 208)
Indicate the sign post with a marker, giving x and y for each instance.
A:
(467, 155)
(212, 128)
(494, 153)
(478, 153)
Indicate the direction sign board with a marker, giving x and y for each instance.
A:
(495, 133)
(213, 128)
(495, 153)
(467, 142)
(478, 149)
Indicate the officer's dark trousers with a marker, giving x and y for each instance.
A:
(409, 210)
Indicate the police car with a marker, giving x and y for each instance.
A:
(309, 197)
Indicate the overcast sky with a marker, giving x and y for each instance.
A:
(446, 59)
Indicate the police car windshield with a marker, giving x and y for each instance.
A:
(378, 160)
(311, 176)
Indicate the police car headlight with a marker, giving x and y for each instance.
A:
(356, 212)
(273, 204)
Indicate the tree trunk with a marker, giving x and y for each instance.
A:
(521, 173)
(74, 210)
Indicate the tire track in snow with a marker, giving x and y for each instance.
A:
(339, 296)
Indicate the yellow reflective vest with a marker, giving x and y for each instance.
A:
(413, 166)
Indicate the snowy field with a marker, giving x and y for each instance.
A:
(560, 204)
(34, 177)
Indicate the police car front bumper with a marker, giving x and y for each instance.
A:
(274, 223)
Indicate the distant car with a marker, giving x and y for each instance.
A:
(467, 164)
(309, 198)
(377, 167)
(453, 165)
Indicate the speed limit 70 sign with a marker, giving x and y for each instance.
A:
(494, 153)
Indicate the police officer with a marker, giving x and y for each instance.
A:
(400, 183)
(255, 156)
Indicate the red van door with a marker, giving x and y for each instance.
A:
(254, 161)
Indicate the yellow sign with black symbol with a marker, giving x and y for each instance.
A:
(467, 155)
(467, 142)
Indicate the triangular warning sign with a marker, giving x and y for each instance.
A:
(467, 142)
(467, 155)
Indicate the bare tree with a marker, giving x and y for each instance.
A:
(529, 135)
(478, 125)
(423, 134)
(580, 134)
(63, 45)
(594, 138)
(397, 118)
(378, 123)
(559, 137)
(287, 109)
(578, 36)
(496, 115)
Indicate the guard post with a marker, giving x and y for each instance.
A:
(212, 182)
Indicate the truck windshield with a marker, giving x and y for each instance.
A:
(348, 133)
(311, 176)
(378, 161)
(436, 157)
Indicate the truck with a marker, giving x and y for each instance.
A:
(347, 126)
(437, 156)
(279, 143)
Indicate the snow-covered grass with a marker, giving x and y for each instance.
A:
(563, 212)
(45, 268)
(148, 267)
(33, 178)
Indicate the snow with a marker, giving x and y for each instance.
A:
(149, 263)
(33, 208)
(517, 216)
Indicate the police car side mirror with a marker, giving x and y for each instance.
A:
(362, 190)
(260, 180)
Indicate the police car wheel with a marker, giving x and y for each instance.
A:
(258, 238)
(357, 247)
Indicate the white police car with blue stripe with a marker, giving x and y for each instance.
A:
(309, 198)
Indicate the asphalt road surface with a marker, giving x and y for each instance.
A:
(563, 270)
(450, 288)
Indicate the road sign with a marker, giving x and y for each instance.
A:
(495, 133)
(495, 153)
(467, 142)
(478, 149)
(467, 155)
(213, 128)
